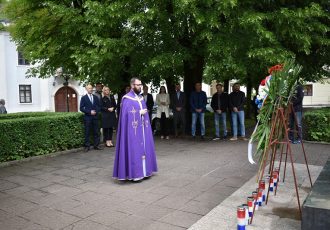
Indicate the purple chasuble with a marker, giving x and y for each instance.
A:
(135, 151)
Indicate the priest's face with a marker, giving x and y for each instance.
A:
(137, 86)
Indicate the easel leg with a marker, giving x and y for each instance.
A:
(299, 133)
(292, 164)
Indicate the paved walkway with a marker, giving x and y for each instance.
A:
(76, 191)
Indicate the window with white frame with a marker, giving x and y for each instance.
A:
(308, 90)
(25, 94)
(21, 59)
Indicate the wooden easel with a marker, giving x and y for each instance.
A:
(279, 137)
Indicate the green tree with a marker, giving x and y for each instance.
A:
(194, 40)
(260, 34)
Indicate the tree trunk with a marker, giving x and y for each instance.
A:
(226, 86)
(170, 84)
(248, 97)
(193, 73)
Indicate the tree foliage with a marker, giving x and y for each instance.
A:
(170, 39)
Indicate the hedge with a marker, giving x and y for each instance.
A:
(25, 115)
(32, 134)
(316, 125)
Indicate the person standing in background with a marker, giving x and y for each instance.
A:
(178, 104)
(219, 105)
(2, 106)
(198, 101)
(163, 112)
(236, 105)
(120, 96)
(296, 115)
(149, 100)
(90, 106)
(98, 91)
(108, 108)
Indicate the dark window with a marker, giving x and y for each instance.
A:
(25, 95)
(308, 90)
(22, 60)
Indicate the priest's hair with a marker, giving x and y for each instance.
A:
(134, 79)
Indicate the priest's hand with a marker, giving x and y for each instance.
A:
(143, 111)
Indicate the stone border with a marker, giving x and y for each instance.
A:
(317, 142)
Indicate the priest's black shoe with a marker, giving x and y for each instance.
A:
(86, 149)
(98, 148)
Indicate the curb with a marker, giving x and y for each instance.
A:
(317, 142)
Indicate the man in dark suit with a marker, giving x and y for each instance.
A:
(149, 101)
(90, 106)
(219, 105)
(177, 104)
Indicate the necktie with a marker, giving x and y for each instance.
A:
(91, 98)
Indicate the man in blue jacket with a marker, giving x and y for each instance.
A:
(198, 101)
(90, 106)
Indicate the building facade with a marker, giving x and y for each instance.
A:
(24, 94)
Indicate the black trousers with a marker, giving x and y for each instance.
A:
(179, 119)
(107, 134)
(164, 125)
(92, 124)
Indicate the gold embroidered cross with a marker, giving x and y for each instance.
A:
(134, 122)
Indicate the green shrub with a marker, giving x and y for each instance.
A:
(25, 115)
(316, 125)
(24, 135)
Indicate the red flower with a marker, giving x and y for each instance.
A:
(278, 67)
(263, 82)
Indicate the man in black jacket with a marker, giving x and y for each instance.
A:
(296, 115)
(177, 104)
(219, 105)
(149, 101)
(236, 105)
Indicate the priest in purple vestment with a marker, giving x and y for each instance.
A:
(135, 151)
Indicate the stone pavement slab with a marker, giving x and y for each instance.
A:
(76, 190)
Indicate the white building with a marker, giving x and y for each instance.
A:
(317, 94)
(32, 94)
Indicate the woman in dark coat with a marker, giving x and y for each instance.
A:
(108, 107)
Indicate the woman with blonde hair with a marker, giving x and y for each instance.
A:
(108, 107)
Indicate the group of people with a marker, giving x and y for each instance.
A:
(102, 101)
(91, 105)
(221, 103)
